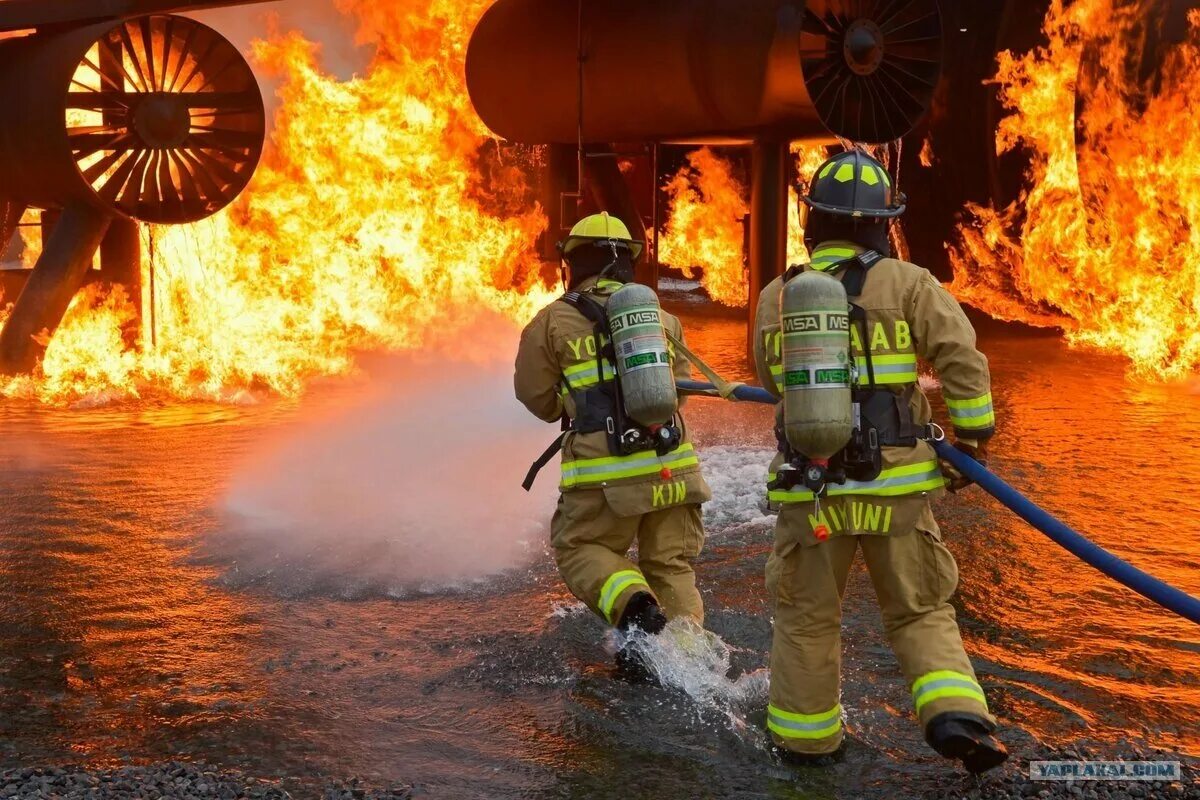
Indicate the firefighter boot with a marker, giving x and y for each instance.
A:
(642, 613)
(967, 738)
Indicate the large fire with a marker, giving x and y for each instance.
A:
(705, 230)
(369, 226)
(1105, 241)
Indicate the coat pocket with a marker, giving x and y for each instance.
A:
(939, 572)
(635, 499)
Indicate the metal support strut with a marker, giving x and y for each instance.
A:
(57, 276)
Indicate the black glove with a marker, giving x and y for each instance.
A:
(976, 450)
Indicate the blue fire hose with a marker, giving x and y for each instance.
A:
(1087, 551)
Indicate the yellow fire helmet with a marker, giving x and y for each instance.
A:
(601, 229)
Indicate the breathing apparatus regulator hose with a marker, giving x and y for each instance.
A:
(1075, 543)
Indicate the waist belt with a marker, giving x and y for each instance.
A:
(890, 414)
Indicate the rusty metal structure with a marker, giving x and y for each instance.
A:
(116, 112)
(757, 72)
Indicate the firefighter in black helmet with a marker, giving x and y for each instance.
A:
(885, 511)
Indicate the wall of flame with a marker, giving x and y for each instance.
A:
(382, 219)
(369, 226)
(1105, 240)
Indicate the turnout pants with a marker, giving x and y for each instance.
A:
(914, 576)
(591, 541)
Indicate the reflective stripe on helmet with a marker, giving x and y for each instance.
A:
(587, 472)
(946, 683)
(789, 725)
(924, 476)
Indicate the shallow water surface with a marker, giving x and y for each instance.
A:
(140, 619)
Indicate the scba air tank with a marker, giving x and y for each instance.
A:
(643, 357)
(815, 323)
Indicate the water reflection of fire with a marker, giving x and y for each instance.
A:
(1115, 257)
(368, 222)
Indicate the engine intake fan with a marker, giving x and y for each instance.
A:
(157, 119)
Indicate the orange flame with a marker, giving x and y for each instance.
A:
(369, 226)
(1104, 241)
(705, 231)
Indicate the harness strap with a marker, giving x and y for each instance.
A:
(595, 314)
(544, 459)
(725, 389)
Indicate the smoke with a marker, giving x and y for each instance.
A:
(320, 21)
(414, 488)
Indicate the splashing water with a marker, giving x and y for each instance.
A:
(695, 661)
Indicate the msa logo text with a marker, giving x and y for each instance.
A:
(634, 318)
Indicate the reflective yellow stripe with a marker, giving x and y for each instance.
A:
(946, 683)
(974, 414)
(890, 370)
(581, 376)
(826, 257)
(599, 470)
(844, 174)
(616, 584)
(868, 175)
(804, 726)
(908, 479)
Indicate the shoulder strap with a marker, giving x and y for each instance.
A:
(854, 271)
(589, 307)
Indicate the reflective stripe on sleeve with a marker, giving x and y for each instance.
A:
(909, 479)
(975, 414)
(599, 470)
(946, 683)
(804, 726)
(616, 584)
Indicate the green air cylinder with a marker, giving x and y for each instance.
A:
(815, 322)
(643, 358)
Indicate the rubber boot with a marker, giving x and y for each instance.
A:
(642, 613)
(812, 759)
(968, 738)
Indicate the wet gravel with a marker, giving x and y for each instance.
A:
(177, 781)
(1012, 781)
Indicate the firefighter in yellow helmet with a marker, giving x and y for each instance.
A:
(610, 498)
(899, 314)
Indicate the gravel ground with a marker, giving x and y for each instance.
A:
(177, 781)
(1012, 781)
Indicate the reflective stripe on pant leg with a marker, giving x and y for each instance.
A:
(945, 683)
(790, 725)
(616, 584)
